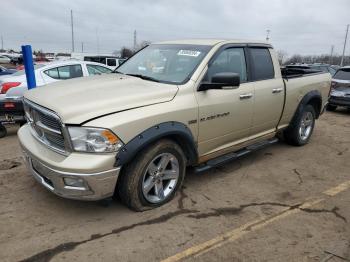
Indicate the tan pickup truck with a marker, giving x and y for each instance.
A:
(175, 104)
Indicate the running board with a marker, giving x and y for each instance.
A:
(221, 160)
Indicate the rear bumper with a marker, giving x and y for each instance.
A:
(13, 114)
(51, 170)
(339, 101)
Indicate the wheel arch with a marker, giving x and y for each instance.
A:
(313, 98)
(176, 131)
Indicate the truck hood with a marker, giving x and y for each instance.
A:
(79, 100)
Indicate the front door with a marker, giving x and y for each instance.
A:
(225, 115)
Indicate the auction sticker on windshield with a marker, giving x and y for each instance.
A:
(189, 53)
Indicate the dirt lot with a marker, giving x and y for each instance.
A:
(281, 203)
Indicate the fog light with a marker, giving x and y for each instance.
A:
(74, 182)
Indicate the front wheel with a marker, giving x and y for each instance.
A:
(301, 128)
(153, 177)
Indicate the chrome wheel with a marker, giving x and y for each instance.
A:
(160, 178)
(306, 125)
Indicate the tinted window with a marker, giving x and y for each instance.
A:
(97, 70)
(230, 60)
(342, 74)
(111, 62)
(262, 66)
(65, 72)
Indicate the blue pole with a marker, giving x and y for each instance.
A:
(28, 65)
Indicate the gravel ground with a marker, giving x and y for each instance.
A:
(281, 187)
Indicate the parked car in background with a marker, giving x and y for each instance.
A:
(13, 87)
(4, 59)
(109, 61)
(5, 71)
(340, 89)
(105, 59)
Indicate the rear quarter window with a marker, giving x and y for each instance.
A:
(65, 72)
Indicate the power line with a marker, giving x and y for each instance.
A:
(346, 38)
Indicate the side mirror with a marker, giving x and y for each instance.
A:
(220, 81)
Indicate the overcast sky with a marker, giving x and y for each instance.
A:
(297, 26)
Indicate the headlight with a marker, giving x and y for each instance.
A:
(89, 139)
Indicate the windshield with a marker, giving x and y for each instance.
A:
(172, 63)
(342, 74)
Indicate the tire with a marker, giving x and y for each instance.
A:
(3, 131)
(331, 108)
(301, 127)
(147, 182)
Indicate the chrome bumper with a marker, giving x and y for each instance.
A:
(94, 186)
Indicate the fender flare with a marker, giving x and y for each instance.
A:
(176, 130)
(314, 94)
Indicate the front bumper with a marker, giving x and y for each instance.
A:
(50, 169)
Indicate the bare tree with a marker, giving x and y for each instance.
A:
(126, 52)
(282, 55)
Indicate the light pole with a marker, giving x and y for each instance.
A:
(346, 38)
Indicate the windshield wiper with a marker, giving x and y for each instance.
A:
(144, 77)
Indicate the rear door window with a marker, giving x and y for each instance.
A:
(262, 65)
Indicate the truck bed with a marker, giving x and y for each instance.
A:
(298, 83)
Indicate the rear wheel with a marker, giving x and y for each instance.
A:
(301, 128)
(153, 177)
(331, 107)
(3, 131)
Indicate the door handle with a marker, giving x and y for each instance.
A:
(277, 90)
(245, 96)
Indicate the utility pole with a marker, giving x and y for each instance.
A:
(346, 38)
(2, 43)
(135, 43)
(71, 21)
(331, 57)
(268, 34)
(82, 47)
(97, 41)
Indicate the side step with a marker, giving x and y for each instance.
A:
(221, 160)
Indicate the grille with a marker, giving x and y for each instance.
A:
(45, 125)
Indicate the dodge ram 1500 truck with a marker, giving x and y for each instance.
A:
(175, 104)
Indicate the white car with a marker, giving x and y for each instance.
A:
(16, 84)
(4, 59)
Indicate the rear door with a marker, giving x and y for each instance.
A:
(269, 90)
